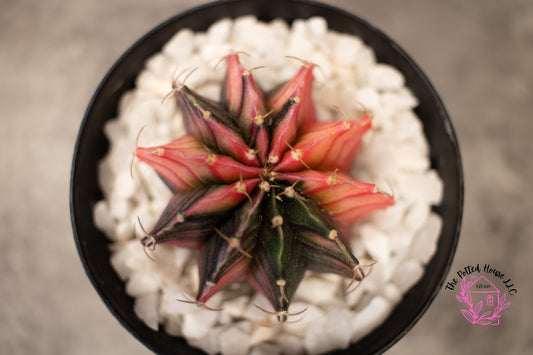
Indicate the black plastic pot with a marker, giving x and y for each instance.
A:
(91, 146)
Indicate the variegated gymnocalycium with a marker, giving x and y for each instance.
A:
(261, 188)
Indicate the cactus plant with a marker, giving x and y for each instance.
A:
(261, 188)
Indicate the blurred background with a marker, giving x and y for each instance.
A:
(53, 53)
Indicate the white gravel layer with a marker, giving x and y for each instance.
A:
(394, 155)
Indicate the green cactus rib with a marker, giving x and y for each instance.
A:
(261, 188)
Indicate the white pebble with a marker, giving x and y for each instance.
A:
(124, 186)
(236, 307)
(170, 304)
(356, 293)
(243, 31)
(106, 175)
(376, 276)
(155, 85)
(368, 97)
(298, 44)
(291, 344)
(147, 219)
(219, 32)
(400, 242)
(344, 73)
(416, 215)
(421, 187)
(252, 312)
(204, 74)
(141, 283)
(347, 50)
(385, 77)
(327, 92)
(210, 91)
(164, 264)
(279, 28)
(382, 120)
(146, 308)
(180, 45)
(225, 319)
(210, 343)
(398, 100)
(123, 230)
(172, 325)
(234, 341)
(323, 71)
(115, 130)
(124, 102)
(365, 61)
(103, 218)
(138, 115)
(389, 218)
(119, 208)
(160, 66)
(266, 349)
(338, 328)
(316, 339)
(120, 265)
(407, 274)
(130, 258)
(424, 243)
(168, 116)
(370, 317)
(377, 159)
(312, 315)
(375, 242)
(200, 40)
(212, 53)
(326, 335)
(408, 158)
(119, 158)
(419, 140)
(316, 290)
(191, 277)
(393, 293)
(159, 191)
(198, 324)
(317, 26)
(180, 257)
(261, 335)
(408, 126)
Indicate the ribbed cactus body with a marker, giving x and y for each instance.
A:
(261, 188)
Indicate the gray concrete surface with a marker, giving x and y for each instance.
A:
(53, 53)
